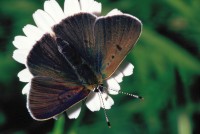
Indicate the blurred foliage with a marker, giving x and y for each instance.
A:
(166, 74)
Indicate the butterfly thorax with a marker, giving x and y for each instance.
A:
(84, 72)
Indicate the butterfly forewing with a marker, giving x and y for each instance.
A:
(114, 38)
(49, 97)
(78, 31)
(45, 60)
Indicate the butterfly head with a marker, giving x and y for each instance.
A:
(99, 88)
(95, 87)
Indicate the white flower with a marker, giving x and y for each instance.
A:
(44, 20)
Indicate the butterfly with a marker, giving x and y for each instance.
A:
(76, 58)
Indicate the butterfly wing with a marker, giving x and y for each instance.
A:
(78, 31)
(49, 97)
(115, 36)
(45, 60)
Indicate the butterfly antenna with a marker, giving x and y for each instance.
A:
(132, 95)
(101, 98)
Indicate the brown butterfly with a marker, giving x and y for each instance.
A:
(76, 58)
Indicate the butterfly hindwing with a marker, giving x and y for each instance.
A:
(49, 97)
(115, 36)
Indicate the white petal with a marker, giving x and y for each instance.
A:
(128, 70)
(93, 102)
(54, 10)
(85, 5)
(114, 12)
(96, 8)
(26, 88)
(118, 76)
(43, 20)
(90, 6)
(112, 85)
(22, 42)
(33, 32)
(20, 55)
(71, 7)
(107, 100)
(74, 111)
(25, 75)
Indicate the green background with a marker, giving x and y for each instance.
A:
(166, 74)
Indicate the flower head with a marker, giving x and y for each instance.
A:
(45, 21)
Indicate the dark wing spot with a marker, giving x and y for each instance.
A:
(69, 96)
(113, 56)
(118, 47)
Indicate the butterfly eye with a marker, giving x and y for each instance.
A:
(99, 88)
(96, 90)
